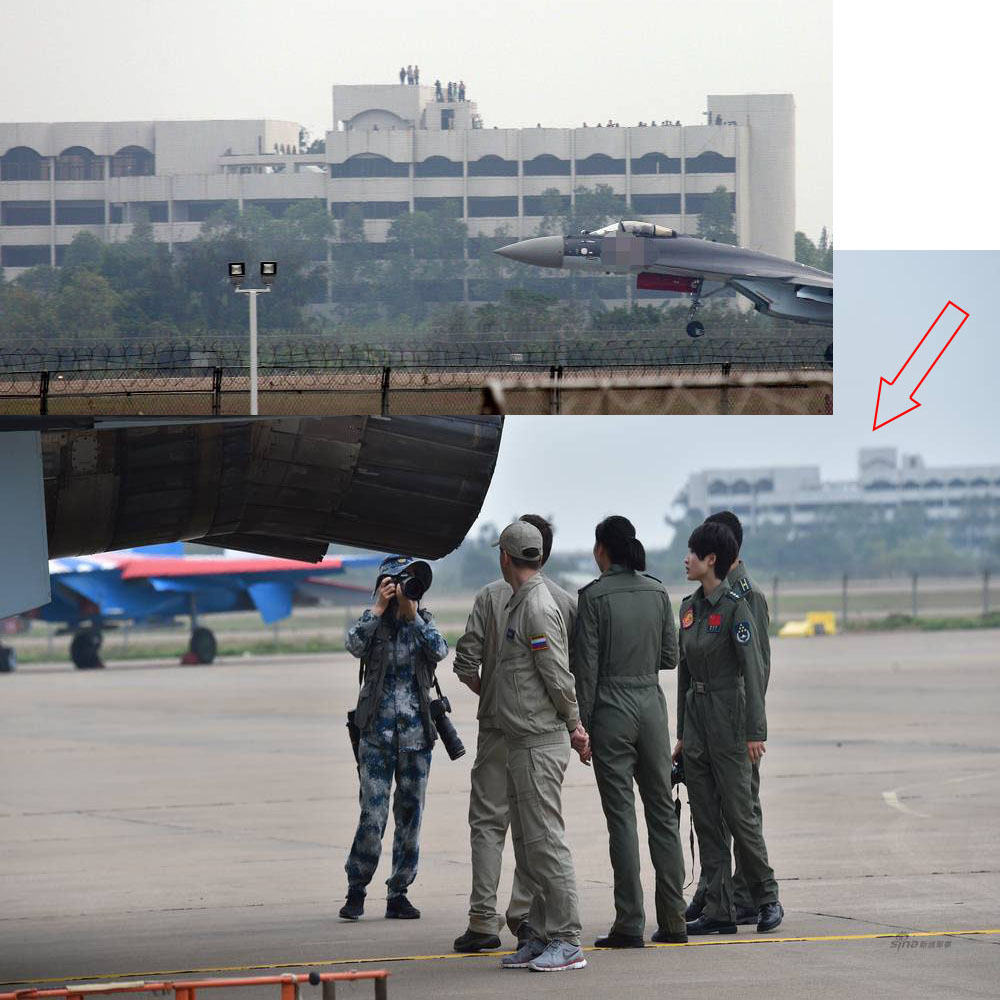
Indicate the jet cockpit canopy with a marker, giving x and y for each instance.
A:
(635, 228)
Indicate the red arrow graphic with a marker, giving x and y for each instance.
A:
(893, 400)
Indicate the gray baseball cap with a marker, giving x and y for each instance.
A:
(522, 541)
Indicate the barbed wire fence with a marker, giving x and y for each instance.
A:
(515, 374)
(790, 351)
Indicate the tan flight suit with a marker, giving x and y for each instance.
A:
(535, 708)
(476, 658)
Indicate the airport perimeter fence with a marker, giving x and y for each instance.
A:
(858, 601)
(622, 375)
(798, 351)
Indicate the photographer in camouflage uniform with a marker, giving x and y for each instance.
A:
(399, 646)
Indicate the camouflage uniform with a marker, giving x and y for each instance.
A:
(397, 740)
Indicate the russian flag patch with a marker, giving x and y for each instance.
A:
(538, 643)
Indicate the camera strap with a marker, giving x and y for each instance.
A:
(677, 809)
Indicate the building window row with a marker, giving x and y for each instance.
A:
(77, 163)
(718, 487)
(371, 209)
(37, 213)
(544, 165)
(23, 256)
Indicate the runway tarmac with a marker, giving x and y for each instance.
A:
(160, 820)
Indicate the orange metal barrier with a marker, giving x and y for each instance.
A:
(186, 989)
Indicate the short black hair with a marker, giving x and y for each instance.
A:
(545, 530)
(713, 537)
(732, 522)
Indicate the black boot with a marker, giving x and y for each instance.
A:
(771, 915)
(706, 925)
(400, 908)
(747, 914)
(663, 936)
(355, 905)
(694, 910)
(615, 940)
(473, 941)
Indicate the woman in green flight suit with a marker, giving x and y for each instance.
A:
(625, 635)
(721, 730)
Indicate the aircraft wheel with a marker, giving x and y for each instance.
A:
(85, 650)
(203, 645)
(828, 355)
(696, 328)
(8, 660)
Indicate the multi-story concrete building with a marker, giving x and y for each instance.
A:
(392, 149)
(796, 495)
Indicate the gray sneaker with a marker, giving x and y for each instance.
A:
(524, 955)
(558, 957)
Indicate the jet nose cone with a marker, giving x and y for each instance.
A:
(542, 251)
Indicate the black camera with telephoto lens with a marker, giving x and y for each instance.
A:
(440, 707)
(414, 581)
(677, 771)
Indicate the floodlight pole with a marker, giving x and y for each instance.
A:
(253, 293)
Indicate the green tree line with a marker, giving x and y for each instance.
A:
(424, 279)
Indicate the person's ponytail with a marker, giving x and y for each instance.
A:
(617, 535)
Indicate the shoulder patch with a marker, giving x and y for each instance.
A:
(539, 643)
(743, 633)
(745, 585)
(734, 595)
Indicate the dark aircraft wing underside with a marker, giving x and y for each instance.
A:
(284, 487)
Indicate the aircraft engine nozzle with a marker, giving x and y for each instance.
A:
(285, 487)
(541, 251)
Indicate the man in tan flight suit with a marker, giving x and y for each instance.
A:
(536, 709)
(475, 665)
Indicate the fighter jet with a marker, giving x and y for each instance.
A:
(667, 261)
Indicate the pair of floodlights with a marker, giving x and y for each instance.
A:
(238, 272)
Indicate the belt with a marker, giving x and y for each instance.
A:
(629, 680)
(703, 687)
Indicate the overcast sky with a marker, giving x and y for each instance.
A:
(580, 469)
(523, 62)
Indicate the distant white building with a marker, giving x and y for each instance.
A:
(796, 495)
(392, 149)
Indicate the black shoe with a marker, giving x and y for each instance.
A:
(771, 915)
(662, 936)
(400, 908)
(706, 925)
(694, 910)
(472, 941)
(525, 933)
(355, 905)
(747, 914)
(615, 940)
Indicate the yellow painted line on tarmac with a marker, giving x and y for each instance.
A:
(451, 956)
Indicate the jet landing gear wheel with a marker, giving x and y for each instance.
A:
(694, 327)
(85, 650)
(8, 660)
(202, 647)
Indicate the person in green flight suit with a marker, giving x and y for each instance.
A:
(722, 730)
(625, 635)
(739, 579)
